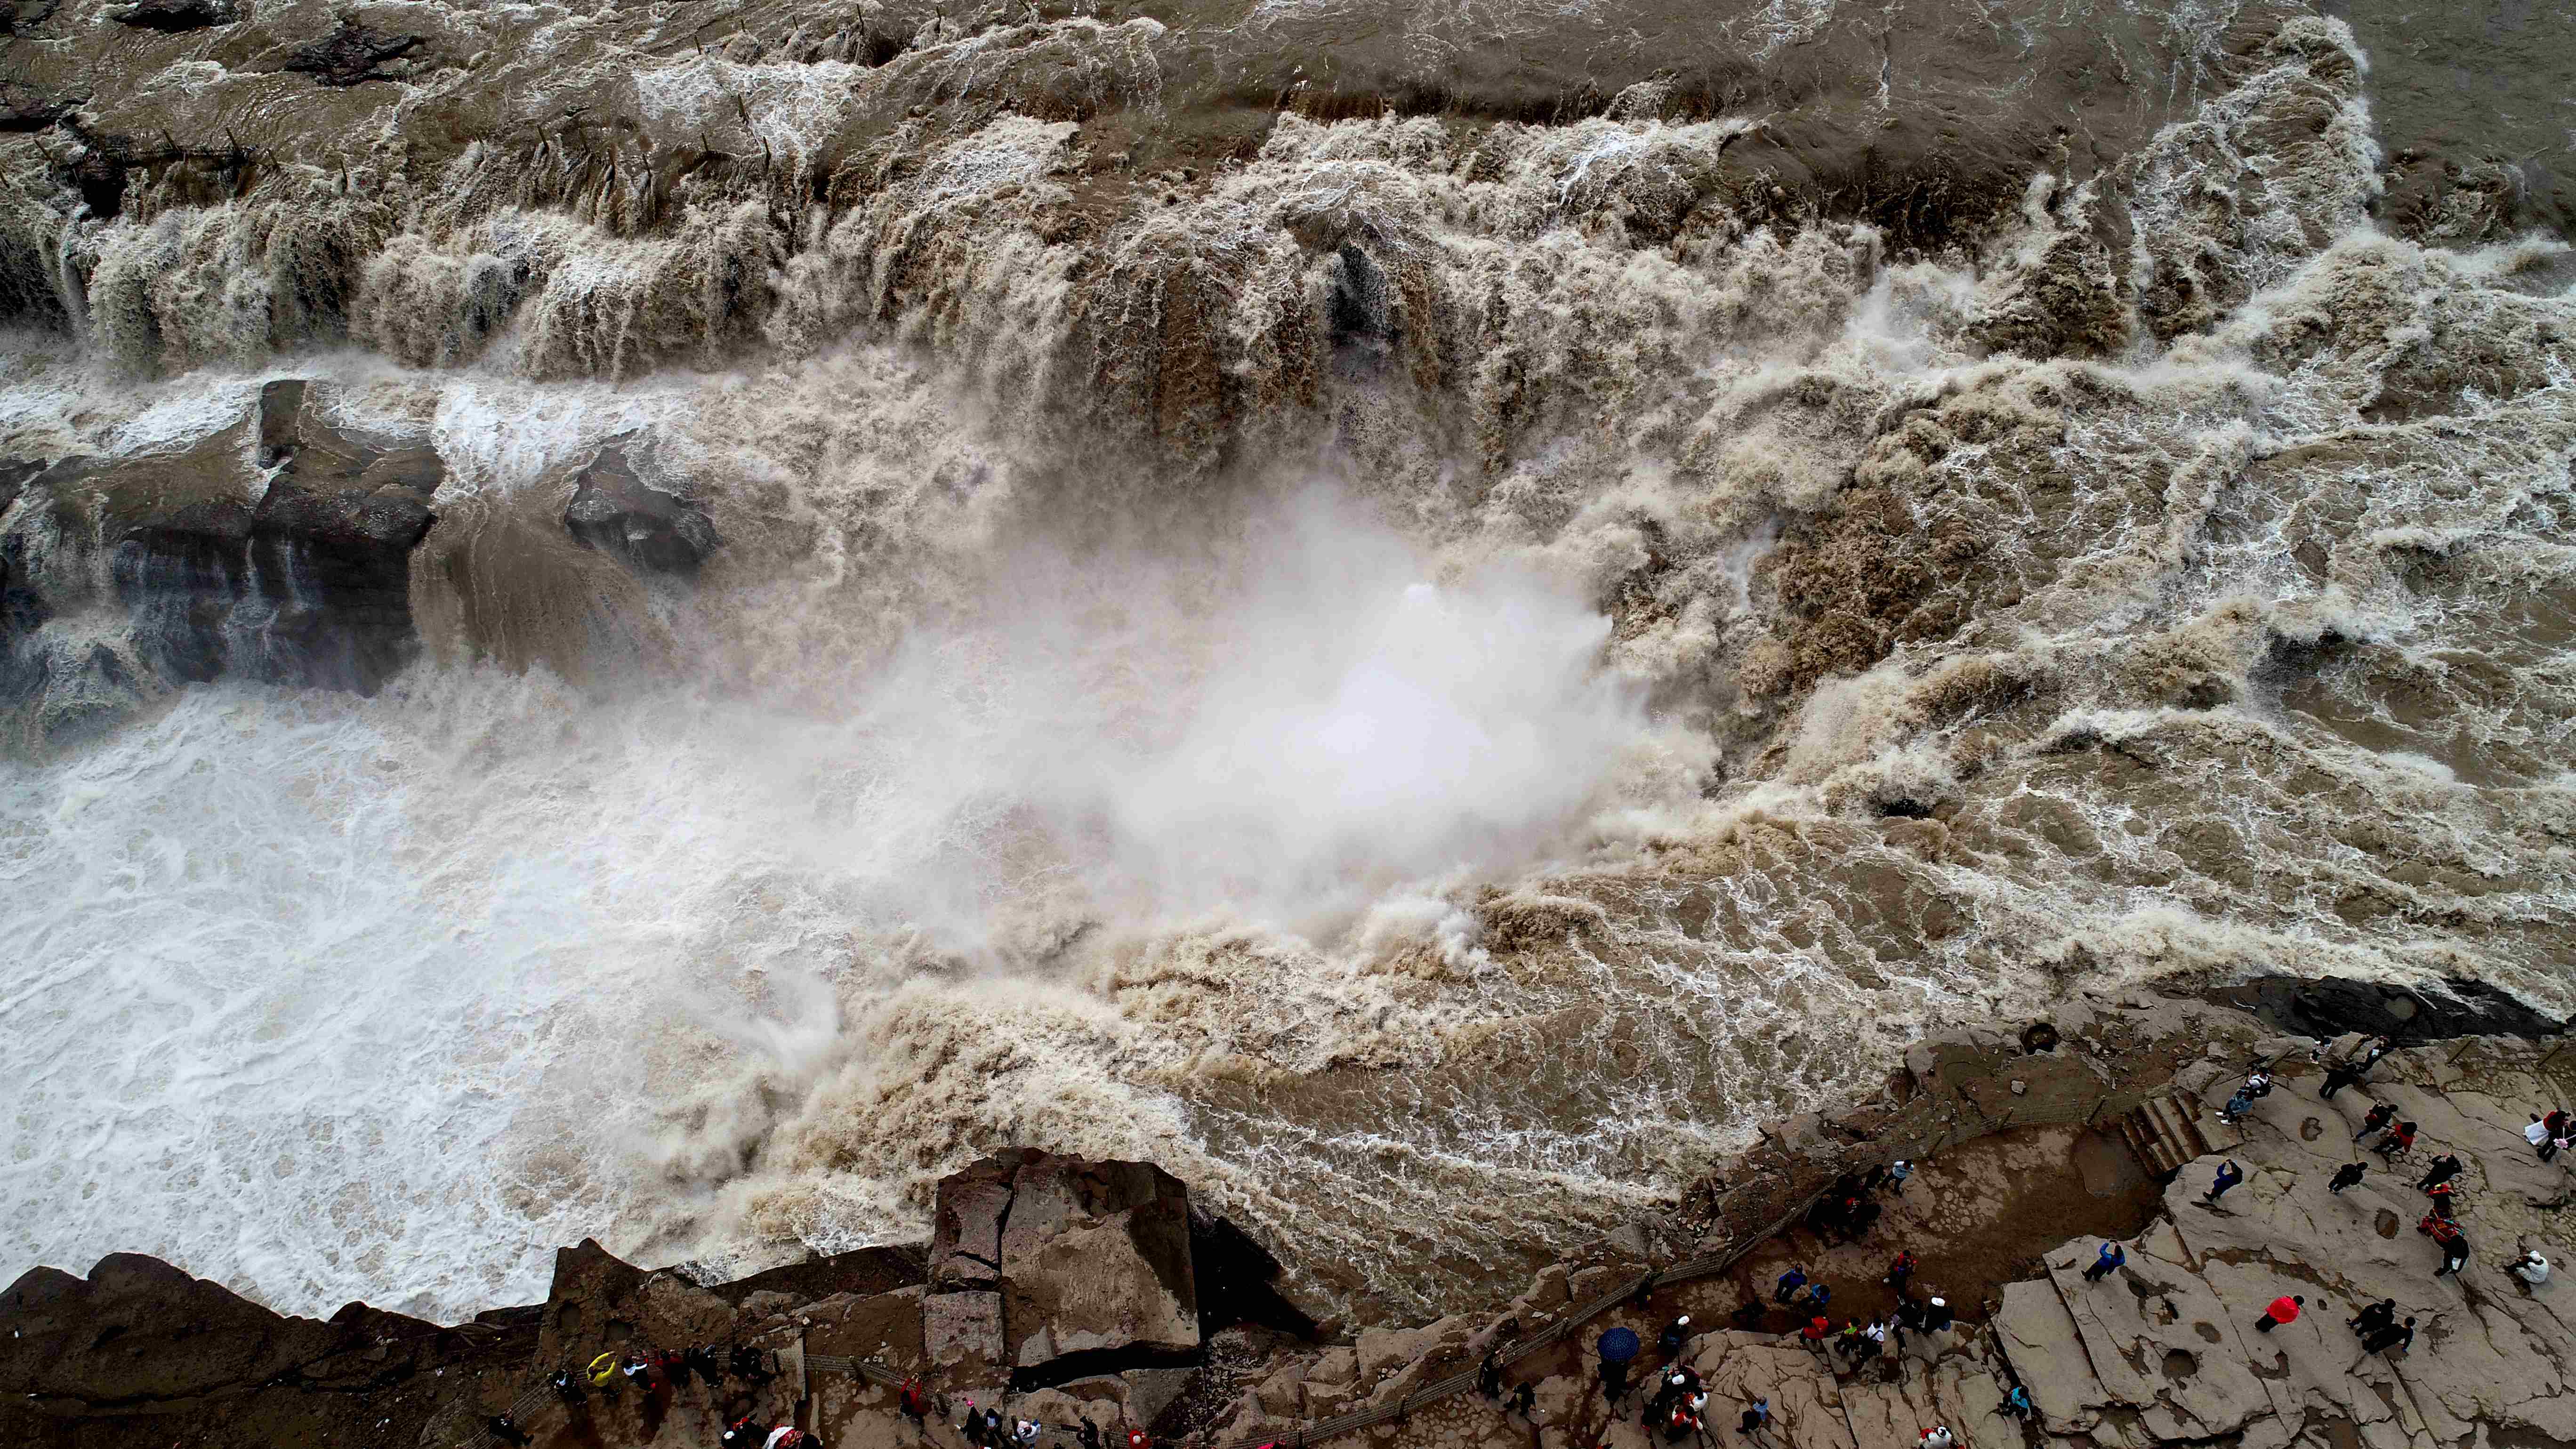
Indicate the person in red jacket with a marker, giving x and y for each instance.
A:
(2283, 1310)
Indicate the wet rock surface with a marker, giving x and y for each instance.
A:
(275, 549)
(613, 509)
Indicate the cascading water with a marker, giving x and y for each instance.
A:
(1427, 673)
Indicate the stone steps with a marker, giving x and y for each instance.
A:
(2169, 1129)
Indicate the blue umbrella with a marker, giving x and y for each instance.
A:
(1618, 1345)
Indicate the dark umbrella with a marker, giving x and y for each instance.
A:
(1618, 1345)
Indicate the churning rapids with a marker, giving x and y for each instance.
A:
(1420, 622)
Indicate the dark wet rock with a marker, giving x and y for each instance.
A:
(137, 1330)
(171, 17)
(2408, 1015)
(1360, 315)
(277, 549)
(1238, 1280)
(355, 54)
(24, 108)
(615, 511)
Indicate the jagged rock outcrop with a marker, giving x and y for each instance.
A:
(613, 510)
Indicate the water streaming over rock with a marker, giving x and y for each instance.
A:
(617, 629)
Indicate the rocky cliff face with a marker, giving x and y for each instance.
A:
(1069, 1290)
(279, 548)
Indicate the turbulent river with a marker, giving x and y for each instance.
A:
(1421, 631)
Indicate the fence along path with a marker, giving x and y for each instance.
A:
(536, 1399)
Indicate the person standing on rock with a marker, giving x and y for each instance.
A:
(2339, 1077)
(2438, 1171)
(1937, 1316)
(2236, 1108)
(2400, 1138)
(2348, 1175)
(2402, 1336)
(507, 1430)
(1614, 1382)
(1789, 1284)
(2112, 1256)
(2229, 1174)
(1525, 1403)
(1675, 1337)
(2374, 1318)
(2017, 1403)
(1754, 1419)
(2380, 1046)
(1489, 1377)
(2376, 1118)
(1899, 1270)
(1897, 1172)
(2284, 1309)
(1939, 1437)
(1818, 1295)
(2455, 1251)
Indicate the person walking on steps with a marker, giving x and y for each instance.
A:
(1938, 1437)
(2400, 1336)
(1818, 1295)
(2379, 1115)
(2400, 1138)
(507, 1430)
(2380, 1046)
(2229, 1174)
(1937, 1316)
(1525, 1403)
(1676, 1335)
(2338, 1077)
(1489, 1377)
(2112, 1256)
(2348, 1175)
(1899, 1270)
(2016, 1403)
(1789, 1284)
(2374, 1318)
(1897, 1172)
(2531, 1268)
(1756, 1417)
(2284, 1309)
(2236, 1108)
(2438, 1171)
(913, 1402)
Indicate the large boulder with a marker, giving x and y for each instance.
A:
(613, 509)
(1089, 1264)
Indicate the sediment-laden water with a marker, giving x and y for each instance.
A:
(1422, 616)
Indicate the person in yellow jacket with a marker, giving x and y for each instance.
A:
(603, 1373)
